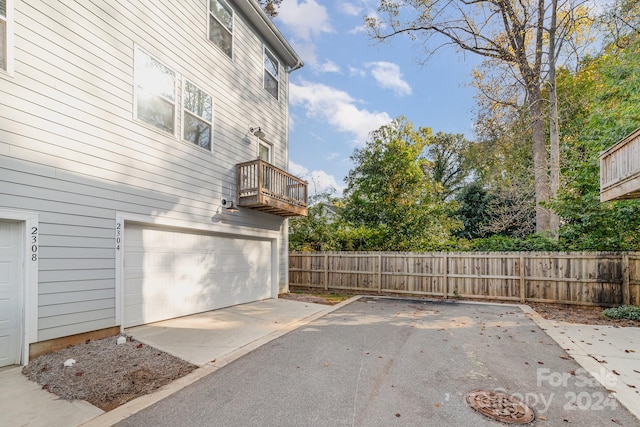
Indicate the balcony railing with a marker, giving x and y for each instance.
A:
(620, 169)
(266, 188)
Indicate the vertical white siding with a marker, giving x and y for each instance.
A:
(71, 151)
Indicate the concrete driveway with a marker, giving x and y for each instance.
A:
(388, 362)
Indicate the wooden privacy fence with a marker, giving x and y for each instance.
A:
(580, 278)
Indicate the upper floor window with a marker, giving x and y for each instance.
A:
(155, 92)
(4, 35)
(271, 65)
(197, 116)
(221, 25)
(264, 151)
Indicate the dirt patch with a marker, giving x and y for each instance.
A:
(585, 316)
(106, 374)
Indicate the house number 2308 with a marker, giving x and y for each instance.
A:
(34, 243)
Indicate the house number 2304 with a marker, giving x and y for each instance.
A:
(118, 235)
(34, 243)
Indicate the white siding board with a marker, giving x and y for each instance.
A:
(106, 314)
(75, 307)
(75, 286)
(35, 205)
(52, 264)
(71, 275)
(72, 297)
(76, 328)
(82, 221)
(61, 252)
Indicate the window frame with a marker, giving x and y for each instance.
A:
(269, 147)
(184, 112)
(210, 15)
(136, 91)
(8, 20)
(268, 54)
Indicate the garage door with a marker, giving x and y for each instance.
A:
(10, 292)
(170, 273)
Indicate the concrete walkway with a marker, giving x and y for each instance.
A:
(210, 340)
(610, 354)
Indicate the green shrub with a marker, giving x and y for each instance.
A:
(624, 312)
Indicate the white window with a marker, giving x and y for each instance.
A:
(197, 115)
(6, 34)
(271, 65)
(221, 25)
(264, 151)
(155, 92)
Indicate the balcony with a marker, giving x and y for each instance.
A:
(266, 188)
(620, 169)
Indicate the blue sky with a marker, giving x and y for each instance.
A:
(351, 85)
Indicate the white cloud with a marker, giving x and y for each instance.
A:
(389, 76)
(306, 19)
(329, 67)
(337, 108)
(349, 8)
(332, 156)
(356, 72)
(319, 180)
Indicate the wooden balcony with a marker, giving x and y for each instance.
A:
(264, 187)
(620, 169)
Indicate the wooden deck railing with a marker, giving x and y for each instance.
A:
(264, 187)
(620, 169)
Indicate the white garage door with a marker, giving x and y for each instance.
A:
(10, 292)
(170, 273)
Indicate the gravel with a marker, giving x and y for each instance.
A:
(106, 374)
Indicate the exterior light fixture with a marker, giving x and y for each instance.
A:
(228, 204)
(257, 132)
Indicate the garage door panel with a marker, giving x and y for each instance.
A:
(170, 273)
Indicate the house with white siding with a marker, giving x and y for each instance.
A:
(143, 157)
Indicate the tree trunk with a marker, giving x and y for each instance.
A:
(554, 129)
(540, 163)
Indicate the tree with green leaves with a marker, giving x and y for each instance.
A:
(601, 105)
(389, 194)
(447, 162)
(513, 35)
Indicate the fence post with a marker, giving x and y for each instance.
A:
(523, 294)
(626, 295)
(446, 276)
(326, 272)
(379, 273)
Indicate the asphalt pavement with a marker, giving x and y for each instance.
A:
(384, 362)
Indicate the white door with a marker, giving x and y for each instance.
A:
(170, 273)
(10, 292)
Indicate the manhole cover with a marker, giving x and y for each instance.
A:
(500, 406)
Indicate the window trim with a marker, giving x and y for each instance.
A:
(183, 112)
(233, 24)
(266, 52)
(9, 33)
(137, 51)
